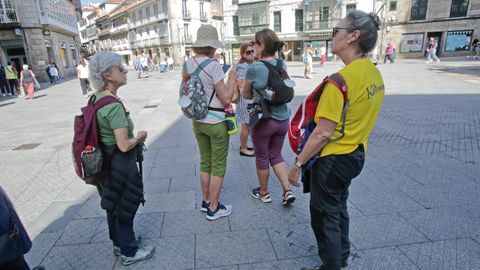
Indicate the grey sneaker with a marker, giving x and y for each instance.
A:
(222, 211)
(143, 253)
(117, 251)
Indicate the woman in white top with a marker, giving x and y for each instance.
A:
(211, 132)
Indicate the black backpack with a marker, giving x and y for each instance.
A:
(282, 93)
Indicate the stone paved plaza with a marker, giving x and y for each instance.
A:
(414, 206)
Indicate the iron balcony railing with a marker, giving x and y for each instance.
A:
(8, 15)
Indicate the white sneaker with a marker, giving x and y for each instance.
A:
(438, 61)
(143, 253)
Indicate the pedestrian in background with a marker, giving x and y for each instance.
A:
(476, 48)
(27, 80)
(340, 158)
(211, 132)
(54, 73)
(58, 72)
(389, 53)
(12, 76)
(268, 134)
(4, 82)
(308, 61)
(323, 56)
(14, 239)
(121, 190)
(47, 70)
(82, 75)
(432, 51)
(170, 63)
(246, 58)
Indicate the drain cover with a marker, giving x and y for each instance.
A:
(27, 146)
(150, 106)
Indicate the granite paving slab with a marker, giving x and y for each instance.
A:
(217, 249)
(79, 231)
(291, 264)
(381, 259)
(445, 223)
(293, 241)
(461, 253)
(172, 201)
(84, 256)
(190, 222)
(386, 230)
(170, 253)
(41, 246)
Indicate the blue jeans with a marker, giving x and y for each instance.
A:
(432, 54)
(122, 235)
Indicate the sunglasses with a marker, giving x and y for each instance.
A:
(249, 52)
(336, 29)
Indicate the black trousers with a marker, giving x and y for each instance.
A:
(14, 88)
(329, 181)
(122, 235)
(5, 87)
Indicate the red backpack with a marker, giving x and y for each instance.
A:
(87, 156)
(302, 123)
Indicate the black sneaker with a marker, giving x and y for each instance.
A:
(205, 206)
(263, 197)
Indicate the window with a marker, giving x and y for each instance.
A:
(234, 2)
(458, 41)
(277, 21)
(236, 30)
(299, 20)
(411, 42)
(185, 32)
(419, 10)
(324, 14)
(184, 8)
(255, 19)
(459, 8)
(147, 13)
(134, 17)
(202, 12)
(155, 10)
(393, 6)
(351, 7)
(140, 15)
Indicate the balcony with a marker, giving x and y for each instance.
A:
(188, 39)
(251, 29)
(319, 25)
(203, 17)
(187, 15)
(58, 13)
(8, 15)
(103, 32)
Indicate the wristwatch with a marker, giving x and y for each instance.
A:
(298, 163)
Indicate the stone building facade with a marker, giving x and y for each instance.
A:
(410, 24)
(38, 33)
(159, 28)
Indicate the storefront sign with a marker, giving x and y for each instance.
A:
(411, 42)
(63, 45)
(48, 43)
(46, 32)
(320, 35)
(72, 47)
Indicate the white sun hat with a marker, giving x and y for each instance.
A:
(207, 36)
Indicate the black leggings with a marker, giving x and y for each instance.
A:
(13, 86)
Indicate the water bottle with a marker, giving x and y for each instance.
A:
(230, 120)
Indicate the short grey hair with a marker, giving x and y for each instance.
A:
(368, 25)
(101, 64)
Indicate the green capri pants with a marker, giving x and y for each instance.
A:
(212, 140)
